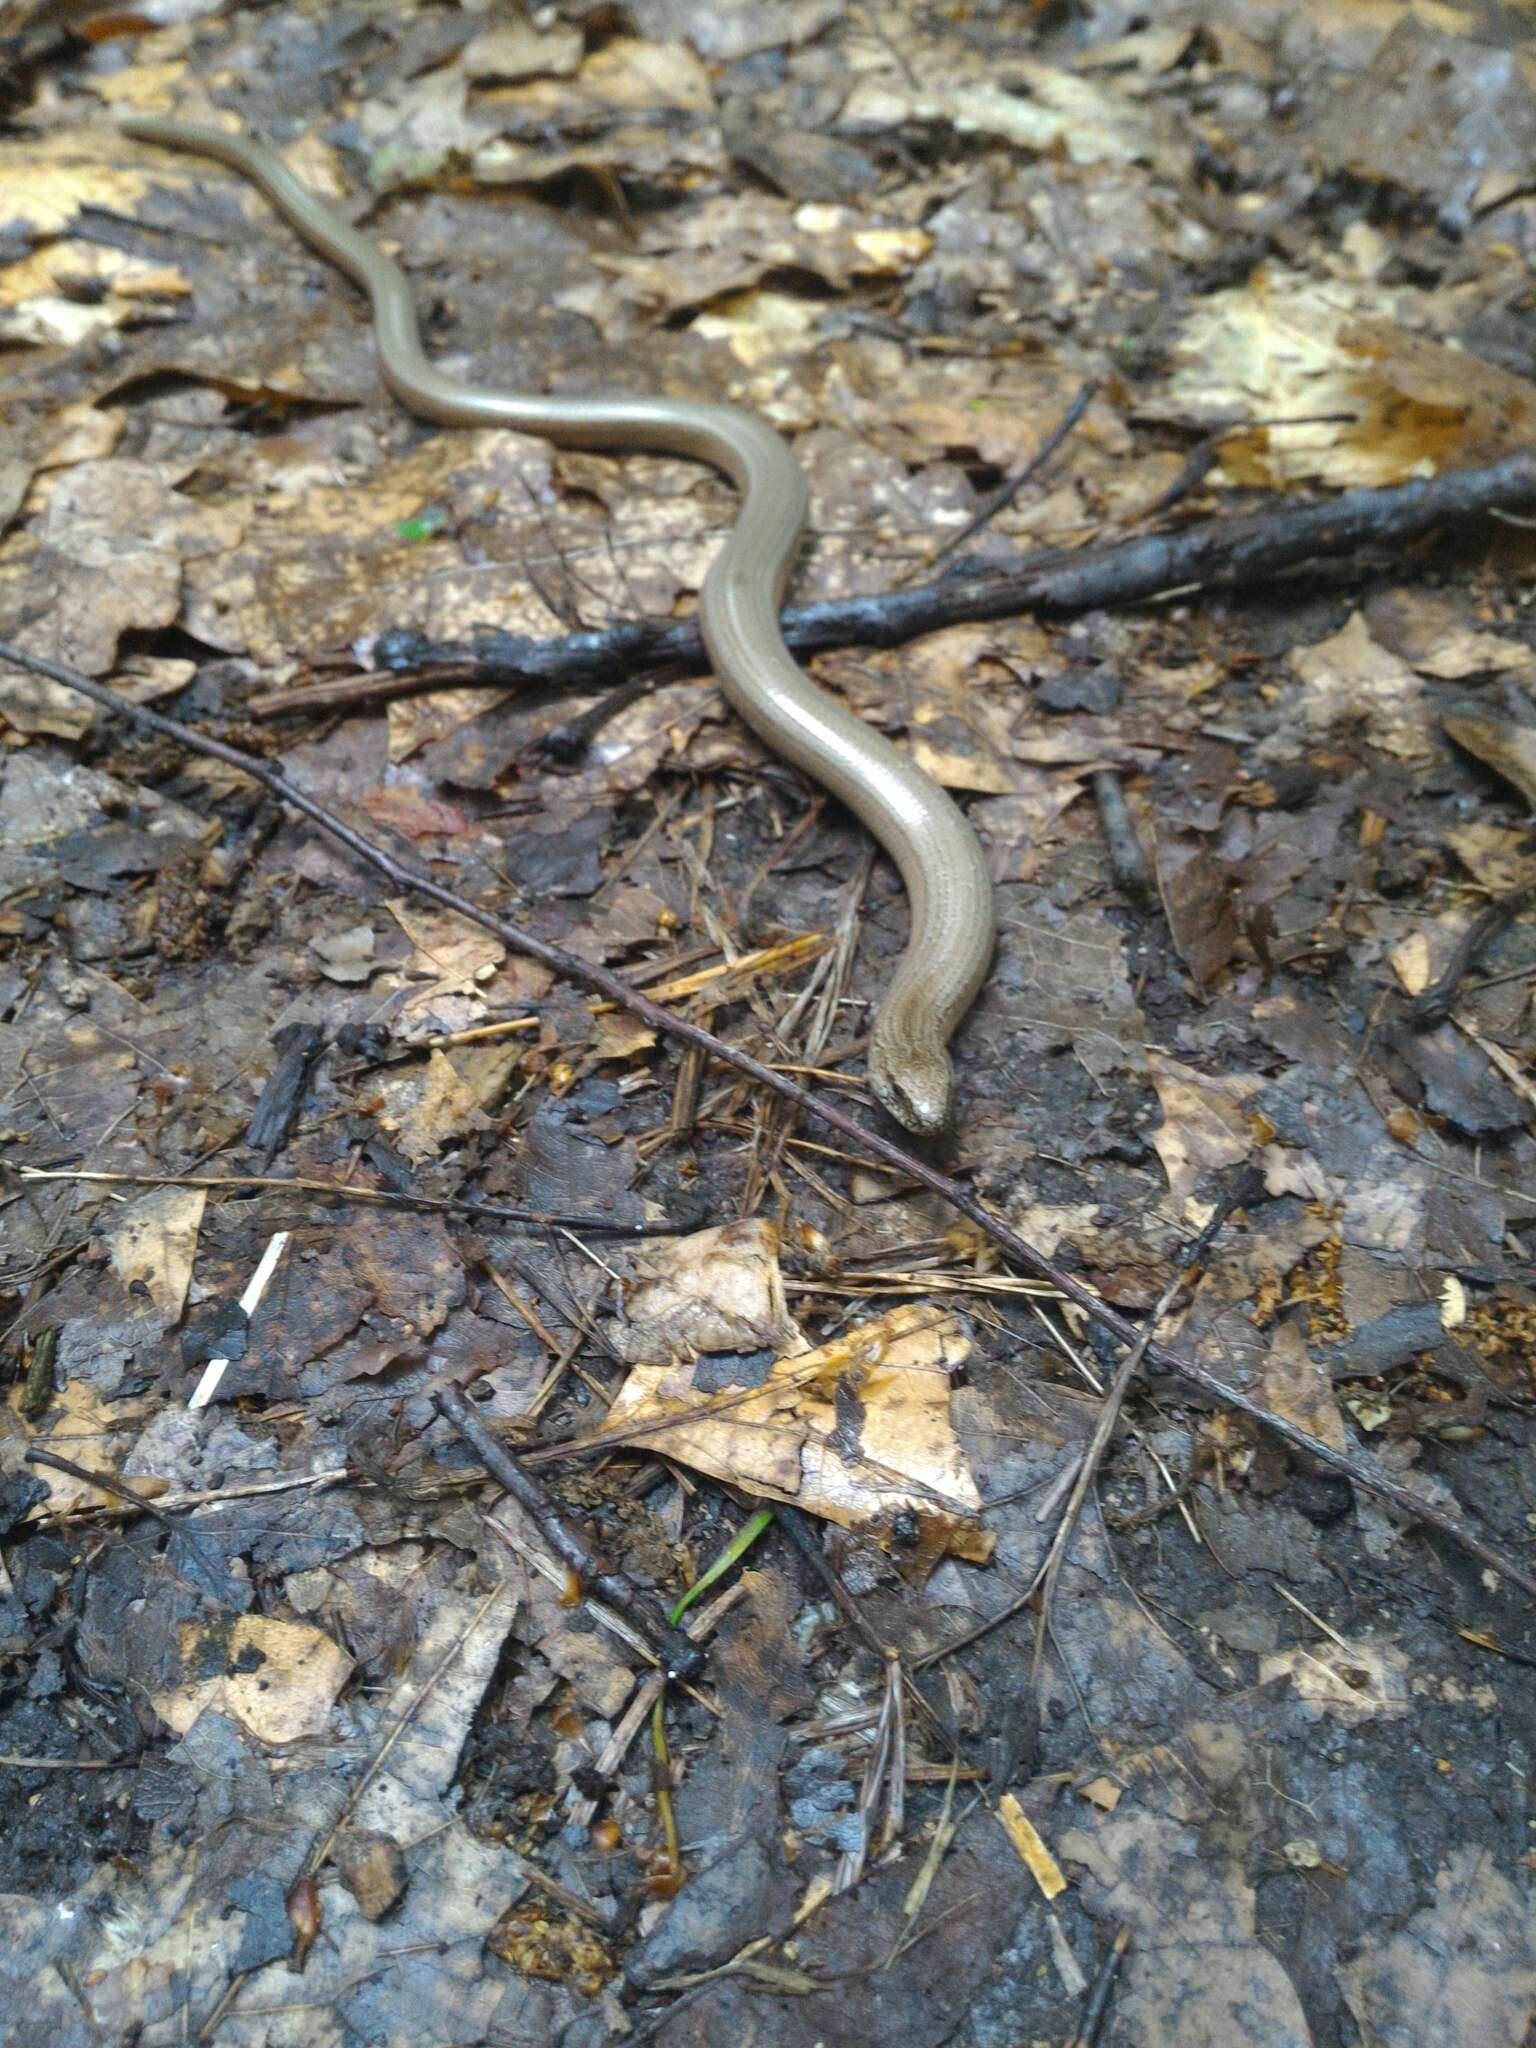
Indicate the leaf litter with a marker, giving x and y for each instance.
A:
(308, 1736)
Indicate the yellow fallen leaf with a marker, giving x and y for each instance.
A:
(153, 1242)
(1025, 1837)
(1104, 1793)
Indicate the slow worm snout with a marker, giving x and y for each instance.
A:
(948, 886)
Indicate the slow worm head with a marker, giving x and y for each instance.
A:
(949, 888)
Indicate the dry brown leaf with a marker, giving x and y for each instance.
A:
(1351, 678)
(153, 1242)
(103, 556)
(1508, 749)
(1066, 980)
(1294, 1385)
(856, 1431)
(1199, 897)
(762, 329)
(279, 1679)
(1438, 110)
(1002, 411)
(347, 956)
(1375, 403)
(1104, 1792)
(723, 247)
(1437, 631)
(1015, 828)
(1497, 856)
(1464, 651)
(620, 1037)
(1362, 1680)
(414, 812)
(1092, 121)
(515, 50)
(716, 1290)
(82, 1424)
(1461, 1969)
(462, 956)
(64, 293)
(426, 121)
(310, 573)
(955, 756)
(590, 1660)
(1071, 742)
(48, 178)
(1194, 1923)
(627, 72)
(1205, 1123)
(1413, 961)
(960, 730)
(427, 1109)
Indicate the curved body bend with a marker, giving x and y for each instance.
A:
(948, 885)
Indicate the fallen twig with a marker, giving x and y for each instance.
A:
(69, 1763)
(678, 1657)
(1362, 1471)
(1242, 1188)
(1097, 2006)
(335, 1190)
(108, 1483)
(1128, 863)
(1249, 548)
(1433, 1005)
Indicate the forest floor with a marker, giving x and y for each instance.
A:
(1170, 1695)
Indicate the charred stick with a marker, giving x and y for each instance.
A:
(1127, 861)
(678, 1656)
(1433, 1005)
(1246, 548)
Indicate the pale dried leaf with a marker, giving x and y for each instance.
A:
(1508, 749)
(716, 1290)
(1362, 1680)
(153, 1242)
(855, 1431)
(1462, 1969)
(1352, 679)
(279, 1679)
(1296, 1386)
(1205, 1123)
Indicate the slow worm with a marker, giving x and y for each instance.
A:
(948, 885)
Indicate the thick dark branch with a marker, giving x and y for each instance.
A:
(1366, 1472)
(1247, 549)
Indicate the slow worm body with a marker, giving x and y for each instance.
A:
(948, 885)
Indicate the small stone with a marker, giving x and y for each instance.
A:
(1080, 689)
(373, 1870)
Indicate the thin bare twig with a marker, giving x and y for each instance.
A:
(390, 1198)
(1097, 2006)
(1242, 1188)
(1433, 1005)
(1006, 492)
(67, 1763)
